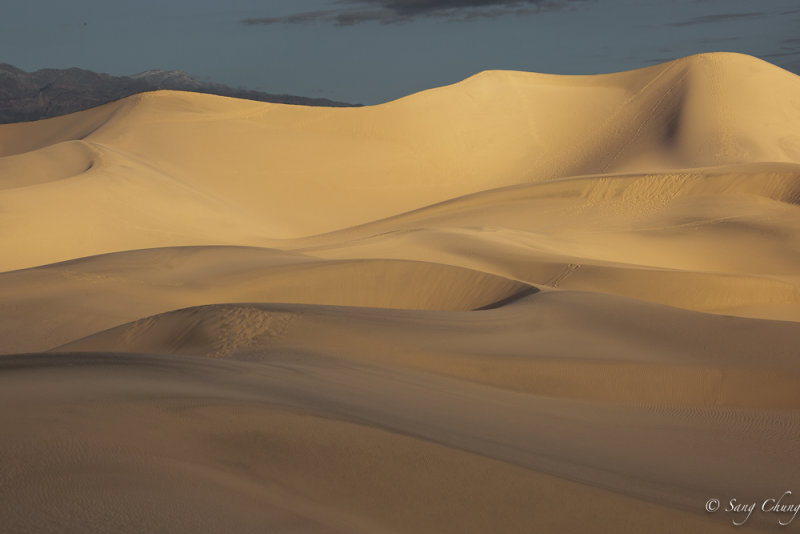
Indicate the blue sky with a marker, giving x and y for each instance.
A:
(370, 51)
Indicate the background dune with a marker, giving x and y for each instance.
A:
(522, 302)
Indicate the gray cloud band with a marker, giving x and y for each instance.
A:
(396, 11)
(722, 17)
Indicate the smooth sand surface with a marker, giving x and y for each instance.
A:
(519, 303)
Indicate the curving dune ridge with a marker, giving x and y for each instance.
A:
(520, 303)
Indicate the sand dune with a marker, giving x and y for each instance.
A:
(528, 345)
(76, 298)
(519, 303)
(258, 171)
(322, 447)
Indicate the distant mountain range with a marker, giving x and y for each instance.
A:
(28, 96)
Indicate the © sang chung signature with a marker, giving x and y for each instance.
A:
(784, 509)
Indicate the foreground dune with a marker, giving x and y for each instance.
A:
(520, 303)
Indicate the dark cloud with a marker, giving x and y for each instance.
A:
(782, 54)
(708, 19)
(353, 12)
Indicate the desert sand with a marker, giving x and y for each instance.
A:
(520, 303)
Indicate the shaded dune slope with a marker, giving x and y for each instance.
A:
(192, 444)
(643, 354)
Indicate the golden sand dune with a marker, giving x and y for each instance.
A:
(528, 345)
(77, 298)
(246, 171)
(519, 303)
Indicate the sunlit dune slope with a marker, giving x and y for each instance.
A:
(677, 183)
(261, 170)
